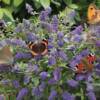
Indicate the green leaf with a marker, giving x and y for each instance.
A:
(8, 14)
(1, 13)
(6, 1)
(74, 6)
(45, 3)
(16, 3)
(67, 2)
(5, 13)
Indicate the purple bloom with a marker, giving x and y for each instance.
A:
(89, 87)
(51, 61)
(78, 30)
(77, 38)
(97, 70)
(91, 96)
(60, 43)
(67, 96)
(21, 55)
(46, 26)
(16, 83)
(2, 97)
(43, 75)
(48, 10)
(60, 35)
(78, 57)
(36, 91)
(72, 83)
(26, 24)
(72, 14)
(26, 79)
(29, 8)
(5, 82)
(42, 86)
(98, 43)
(57, 74)
(16, 42)
(95, 30)
(52, 81)
(31, 37)
(32, 68)
(62, 55)
(85, 52)
(18, 28)
(5, 68)
(73, 63)
(98, 66)
(22, 93)
(80, 77)
(55, 23)
(52, 95)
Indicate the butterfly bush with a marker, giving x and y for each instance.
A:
(52, 76)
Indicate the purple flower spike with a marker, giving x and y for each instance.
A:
(31, 37)
(52, 81)
(51, 61)
(60, 35)
(22, 93)
(2, 97)
(48, 10)
(42, 86)
(72, 14)
(46, 26)
(67, 96)
(16, 42)
(36, 91)
(26, 23)
(62, 55)
(57, 74)
(16, 84)
(60, 43)
(89, 87)
(98, 43)
(55, 23)
(78, 30)
(29, 8)
(21, 55)
(43, 75)
(26, 79)
(80, 77)
(72, 83)
(91, 96)
(53, 94)
(77, 38)
(85, 52)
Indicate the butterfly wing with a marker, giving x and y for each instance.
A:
(6, 56)
(93, 14)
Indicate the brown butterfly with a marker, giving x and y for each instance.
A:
(93, 14)
(6, 58)
(38, 48)
(86, 64)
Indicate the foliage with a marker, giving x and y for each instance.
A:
(50, 76)
(14, 8)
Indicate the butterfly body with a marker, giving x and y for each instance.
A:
(93, 14)
(38, 48)
(86, 64)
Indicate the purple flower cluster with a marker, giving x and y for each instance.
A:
(47, 76)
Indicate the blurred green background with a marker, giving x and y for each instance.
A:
(12, 9)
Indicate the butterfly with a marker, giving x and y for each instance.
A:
(86, 64)
(38, 47)
(6, 58)
(93, 14)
